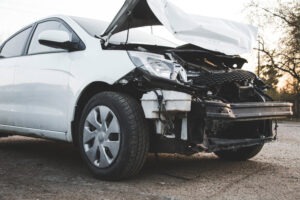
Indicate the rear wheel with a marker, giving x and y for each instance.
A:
(113, 137)
(240, 154)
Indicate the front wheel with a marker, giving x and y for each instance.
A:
(240, 154)
(113, 137)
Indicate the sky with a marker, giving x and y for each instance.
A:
(15, 14)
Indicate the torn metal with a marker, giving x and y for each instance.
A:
(194, 98)
(211, 109)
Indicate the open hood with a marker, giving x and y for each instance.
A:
(211, 33)
(133, 14)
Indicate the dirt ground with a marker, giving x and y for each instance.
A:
(40, 169)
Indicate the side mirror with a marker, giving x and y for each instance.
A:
(59, 39)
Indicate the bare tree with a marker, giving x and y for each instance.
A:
(268, 70)
(285, 18)
(284, 57)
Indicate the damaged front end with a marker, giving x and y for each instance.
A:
(198, 100)
(195, 99)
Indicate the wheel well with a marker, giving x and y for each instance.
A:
(89, 92)
(84, 97)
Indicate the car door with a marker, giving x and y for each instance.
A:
(41, 84)
(11, 52)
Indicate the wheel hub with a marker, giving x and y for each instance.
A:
(101, 136)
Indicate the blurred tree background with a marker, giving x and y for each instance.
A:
(278, 47)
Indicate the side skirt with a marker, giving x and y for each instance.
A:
(30, 132)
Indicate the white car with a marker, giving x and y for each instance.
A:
(118, 93)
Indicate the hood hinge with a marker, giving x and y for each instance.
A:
(106, 38)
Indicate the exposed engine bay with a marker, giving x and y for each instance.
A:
(201, 100)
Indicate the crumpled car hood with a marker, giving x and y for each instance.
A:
(215, 34)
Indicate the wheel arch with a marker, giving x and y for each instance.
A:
(88, 92)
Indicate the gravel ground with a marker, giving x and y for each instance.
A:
(40, 169)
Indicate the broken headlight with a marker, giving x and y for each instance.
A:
(156, 64)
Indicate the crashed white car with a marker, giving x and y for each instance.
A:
(118, 93)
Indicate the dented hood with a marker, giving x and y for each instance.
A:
(211, 33)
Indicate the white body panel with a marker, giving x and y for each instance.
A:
(229, 37)
(39, 92)
(7, 69)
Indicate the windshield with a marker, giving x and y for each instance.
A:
(142, 35)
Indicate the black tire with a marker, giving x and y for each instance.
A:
(240, 154)
(134, 136)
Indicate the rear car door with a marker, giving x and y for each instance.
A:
(12, 52)
(41, 84)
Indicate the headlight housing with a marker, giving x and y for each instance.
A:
(156, 64)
